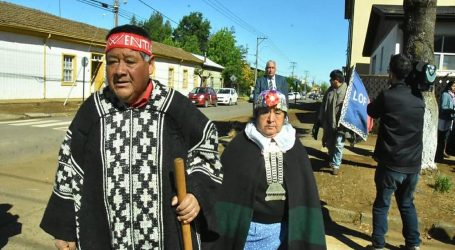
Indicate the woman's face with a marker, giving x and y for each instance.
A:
(270, 121)
(452, 88)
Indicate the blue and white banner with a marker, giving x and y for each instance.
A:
(354, 111)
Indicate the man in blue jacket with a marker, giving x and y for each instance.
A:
(398, 152)
(271, 81)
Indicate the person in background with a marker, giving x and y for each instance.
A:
(328, 117)
(398, 152)
(114, 186)
(271, 81)
(269, 198)
(446, 117)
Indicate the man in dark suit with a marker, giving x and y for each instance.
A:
(271, 81)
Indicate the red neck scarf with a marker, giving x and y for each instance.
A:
(144, 99)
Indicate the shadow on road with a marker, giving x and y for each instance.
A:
(343, 233)
(9, 226)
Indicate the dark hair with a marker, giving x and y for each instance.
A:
(337, 75)
(400, 66)
(449, 85)
(129, 28)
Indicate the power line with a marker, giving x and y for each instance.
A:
(144, 3)
(215, 4)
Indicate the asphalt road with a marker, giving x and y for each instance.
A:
(28, 153)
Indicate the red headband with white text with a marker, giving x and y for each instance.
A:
(130, 41)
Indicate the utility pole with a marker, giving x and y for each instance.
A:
(116, 6)
(258, 41)
(306, 81)
(293, 66)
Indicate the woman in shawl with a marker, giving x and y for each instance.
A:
(446, 116)
(269, 197)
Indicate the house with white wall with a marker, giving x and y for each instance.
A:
(210, 73)
(384, 38)
(42, 57)
(357, 13)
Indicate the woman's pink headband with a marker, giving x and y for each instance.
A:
(129, 40)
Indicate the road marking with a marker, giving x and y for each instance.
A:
(33, 123)
(19, 121)
(52, 124)
(61, 128)
(40, 123)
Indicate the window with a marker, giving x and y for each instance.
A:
(373, 65)
(448, 62)
(170, 80)
(69, 68)
(185, 79)
(195, 80)
(449, 44)
(381, 59)
(444, 56)
(437, 58)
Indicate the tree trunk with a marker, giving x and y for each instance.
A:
(419, 26)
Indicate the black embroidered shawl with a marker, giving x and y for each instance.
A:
(242, 161)
(114, 181)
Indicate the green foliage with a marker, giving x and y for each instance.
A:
(246, 79)
(193, 25)
(159, 31)
(191, 44)
(443, 184)
(324, 87)
(222, 49)
(134, 21)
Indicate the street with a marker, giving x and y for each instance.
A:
(28, 150)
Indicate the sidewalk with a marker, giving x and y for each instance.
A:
(341, 231)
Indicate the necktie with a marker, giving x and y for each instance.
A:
(271, 84)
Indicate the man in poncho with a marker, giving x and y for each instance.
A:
(114, 186)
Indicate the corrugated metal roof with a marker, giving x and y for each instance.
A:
(20, 19)
(209, 63)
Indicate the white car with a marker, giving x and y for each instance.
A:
(294, 95)
(227, 96)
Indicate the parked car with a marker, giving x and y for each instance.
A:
(227, 96)
(203, 96)
(294, 95)
(314, 96)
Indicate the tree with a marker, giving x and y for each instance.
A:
(193, 25)
(324, 87)
(159, 31)
(134, 21)
(246, 79)
(419, 25)
(191, 44)
(222, 49)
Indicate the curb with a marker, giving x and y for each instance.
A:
(444, 230)
(11, 117)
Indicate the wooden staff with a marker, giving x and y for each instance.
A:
(179, 172)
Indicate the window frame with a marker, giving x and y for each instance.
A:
(73, 81)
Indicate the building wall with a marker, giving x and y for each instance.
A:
(393, 44)
(214, 78)
(360, 18)
(390, 46)
(33, 67)
(162, 71)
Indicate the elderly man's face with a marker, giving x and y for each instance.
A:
(127, 73)
(270, 121)
(270, 69)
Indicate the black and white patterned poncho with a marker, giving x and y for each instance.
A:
(114, 181)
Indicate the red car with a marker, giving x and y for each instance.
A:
(203, 96)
